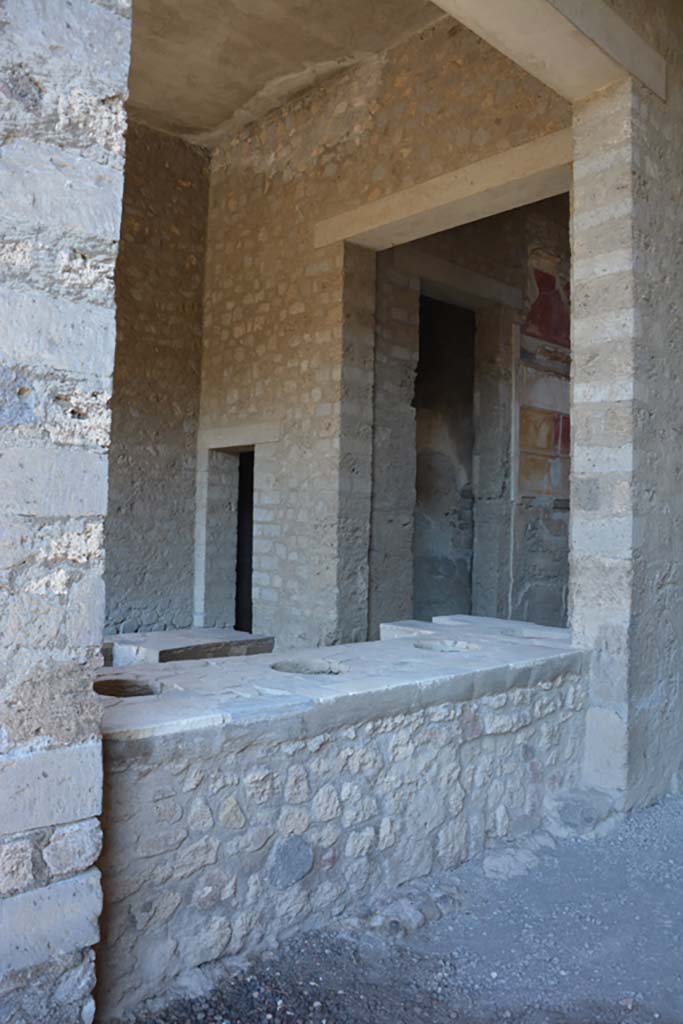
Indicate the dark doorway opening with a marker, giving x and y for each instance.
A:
(245, 542)
(444, 422)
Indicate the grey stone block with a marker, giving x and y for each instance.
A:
(291, 861)
(16, 865)
(73, 847)
(41, 181)
(53, 481)
(60, 334)
(17, 398)
(39, 925)
(50, 787)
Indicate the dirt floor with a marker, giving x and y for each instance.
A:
(575, 932)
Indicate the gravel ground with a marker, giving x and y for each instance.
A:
(585, 932)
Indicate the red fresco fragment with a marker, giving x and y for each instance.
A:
(549, 314)
(561, 433)
(565, 435)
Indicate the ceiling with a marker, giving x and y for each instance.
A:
(202, 67)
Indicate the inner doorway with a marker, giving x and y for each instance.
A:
(443, 538)
(227, 539)
(245, 542)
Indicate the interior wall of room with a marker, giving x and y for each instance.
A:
(443, 538)
(149, 531)
(275, 311)
(521, 409)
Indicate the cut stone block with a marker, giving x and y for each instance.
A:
(50, 787)
(48, 922)
(182, 645)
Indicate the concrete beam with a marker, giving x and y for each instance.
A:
(537, 170)
(575, 47)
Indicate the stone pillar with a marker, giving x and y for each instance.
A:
(155, 404)
(355, 443)
(397, 342)
(495, 415)
(627, 422)
(63, 80)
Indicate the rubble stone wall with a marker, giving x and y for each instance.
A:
(224, 841)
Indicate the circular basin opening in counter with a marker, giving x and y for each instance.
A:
(446, 646)
(310, 667)
(122, 688)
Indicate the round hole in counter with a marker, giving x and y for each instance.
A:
(310, 667)
(447, 646)
(122, 688)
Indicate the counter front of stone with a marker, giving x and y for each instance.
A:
(247, 799)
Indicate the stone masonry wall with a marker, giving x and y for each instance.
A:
(510, 250)
(63, 82)
(627, 491)
(149, 534)
(276, 307)
(222, 842)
